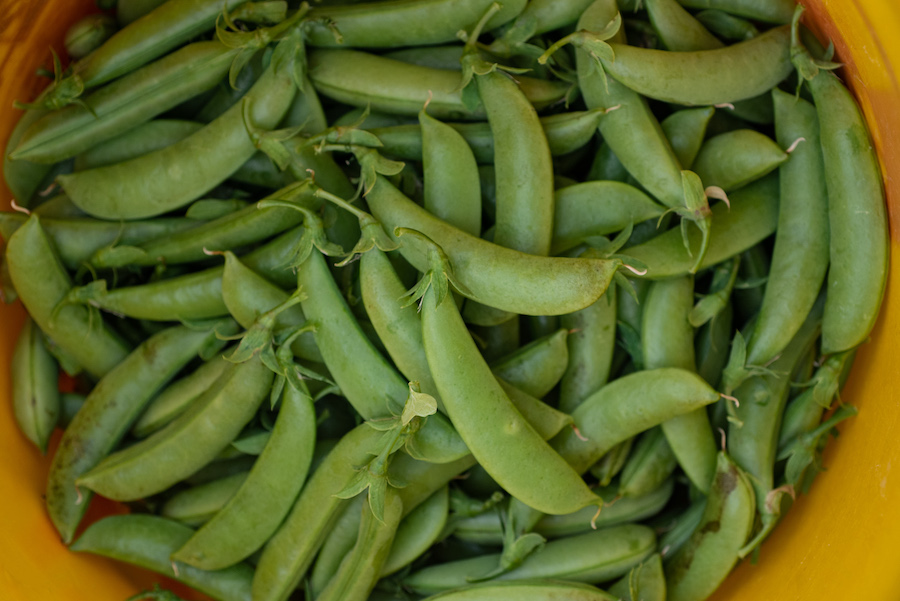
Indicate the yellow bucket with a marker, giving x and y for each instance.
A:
(838, 542)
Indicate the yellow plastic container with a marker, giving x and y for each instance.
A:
(839, 542)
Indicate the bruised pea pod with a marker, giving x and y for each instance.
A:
(698, 568)
(177, 397)
(341, 538)
(536, 367)
(858, 225)
(677, 29)
(268, 492)
(452, 190)
(171, 177)
(195, 506)
(556, 285)
(148, 541)
(650, 464)
(420, 529)
(360, 79)
(727, 26)
(139, 140)
(108, 413)
(752, 218)
(130, 101)
(30, 251)
(769, 11)
(593, 557)
(187, 443)
(360, 570)
(800, 256)
(398, 24)
(736, 158)
(686, 130)
(35, 397)
(667, 340)
(705, 77)
(525, 590)
(597, 208)
(645, 582)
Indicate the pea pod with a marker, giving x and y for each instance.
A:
(35, 397)
(23, 178)
(536, 367)
(341, 537)
(736, 158)
(417, 532)
(139, 140)
(645, 582)
(677, 29)
(686, 130)
(196, 505)
(770, 11)
(651, 463)
(525, 590)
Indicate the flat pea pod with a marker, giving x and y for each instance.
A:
(35, 397)
(536, 367)
(566, 132)
(627, 406)
(698, 568)
(858, 224)
(800, 254)
(171, 177)
(686, 130)
(752, 218)
(677, 29)
(525, 590)
(360, 79)
(23, 178)
(597, 208)
(592, 557)
(736, 158)
(268, 492)
(402, 23)
(493, 423)
(417, 532)
(148, 541)
(341, 538)
(29, 251)
(360, 570)
(704, 77)
(189, 442)
(770, 11)
(130, 101)
(196, 505)
(631, 131)
(645, 582)
(650, 464)
(557, 285)
(139, 140)
(108, 412)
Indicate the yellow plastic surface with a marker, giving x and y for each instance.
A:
(839, 542)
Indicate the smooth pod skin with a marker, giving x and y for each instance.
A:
(729, 27)
(736, 158)
(704, 77)
(342, 536)
(139, 140)
(592, 557)
(677, 29)
(108, 413)
(267, 494)
(148, 541)
(171, 177)
(554, 285)
(360, 79)
(856, 213)
(189, 442)
(752, 218)
(770, 11)
(800, 256)
(536, 367)
(23, 178)
(698, 568)
(130, 101)
(632, 131)
(711, 345)
(35, 397)
(420, 529)
(597, 208)
(502, 441)
(650, 463)
(686, 130)
(399, 23)
(525, 590)
(41, 282)
(645, 582)
(196, 505)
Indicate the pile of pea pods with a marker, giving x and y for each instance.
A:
(445, 299)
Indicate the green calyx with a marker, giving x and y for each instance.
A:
(594, 43)
(806, 64)
(439, 276)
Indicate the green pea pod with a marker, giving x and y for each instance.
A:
(41, 282)
(596, 556)
(525, 590)
(536, 367)
(686, 130)
(752, 218)
(711, 345)
(166, 179)
(677, 29)
(699, 567)
(88, 34)
(417, 532)
(196, 505)
(727, 26)
(341, 538)
(142, 139)
(58, 207)
(645, 582)
(736, 158)
(132, 100)
(538, 17)
(108, 413)
(148, 541)
(268, 492)
(856, 213)
(128, 11)
(35, 397)
(681, 527)
(770, 11)
(436, 57)
(607, 166)
(23, 178)
(651, 463)
(609, 466)
(189, 442)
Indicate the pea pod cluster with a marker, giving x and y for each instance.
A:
(438, 298)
